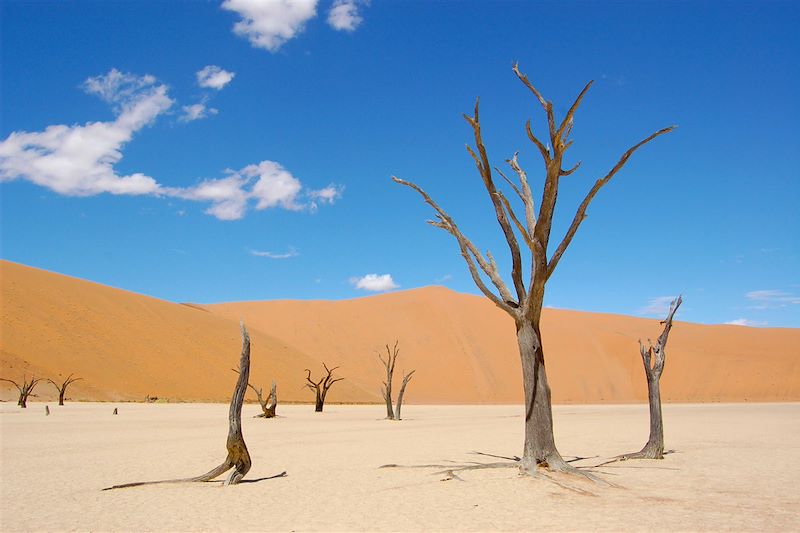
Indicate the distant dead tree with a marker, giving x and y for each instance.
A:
(386, 389)
(25, 390)
(62, 389)
(322, 386)
(653, 358)
(524, 304)
(46, 410)
(269, 405)
(238, 457)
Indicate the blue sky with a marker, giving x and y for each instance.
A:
(206, 152)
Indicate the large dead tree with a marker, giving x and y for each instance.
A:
(25, 390)
(524, 303)
(386, 388)
(322, 386)
(653, 357)
(62, 389)
(238, 457)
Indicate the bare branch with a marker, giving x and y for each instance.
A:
(580, 215)
(568, 119)
(542, 148)
(468, 251)
(570, 171)
(547, 106)
(485, 171)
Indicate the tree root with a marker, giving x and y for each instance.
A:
(642, 454)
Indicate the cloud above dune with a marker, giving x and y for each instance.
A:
(771, 299)
(657, 306)
(374, 283)
(79, 160)
(745, 322)
(291, 252)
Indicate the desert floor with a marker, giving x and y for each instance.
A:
(734, 468)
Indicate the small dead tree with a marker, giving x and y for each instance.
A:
(269, 405)
(25, 390)
(386, 388)
(62, 389)
(322, 386)
(524, 303)
(653, 358)
(238, 457)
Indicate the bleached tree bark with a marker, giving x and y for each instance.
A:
(62, 389)
(524, 302)
(322, 386)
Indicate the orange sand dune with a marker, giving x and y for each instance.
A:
(126, 346)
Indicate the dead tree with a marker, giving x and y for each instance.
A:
(524, 303)
(25, 390)
(386, 389)
(267, 407)
(322, 386)
(653, 358)
(238, 457)
(62, 389)
(406, 379)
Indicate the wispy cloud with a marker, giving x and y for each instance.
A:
(197, 111)
(214, 77)
(272, 255)
(442, 279)
(374, 282)
(746, 322)
(344, 15)
(269, 24)
(657, 306)
(771, 298)
(80, 160)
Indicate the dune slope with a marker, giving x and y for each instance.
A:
(126, 346)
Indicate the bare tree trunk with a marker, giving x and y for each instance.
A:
(25, 390)
(238, 457)
(62, 389)
(386, 390)
(406, 379)
(653, 358)
(540, 448)
(321, 387)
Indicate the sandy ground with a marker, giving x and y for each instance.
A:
(734, 468)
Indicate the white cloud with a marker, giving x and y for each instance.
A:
(214, 77)
(270, 23)
(745, 322)
(327, 195)
(374, 283)
(196, 112)
(657, 306)
(344, 15)
(275, 186)
(771, 298)
(79, 160)
(272, 255)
